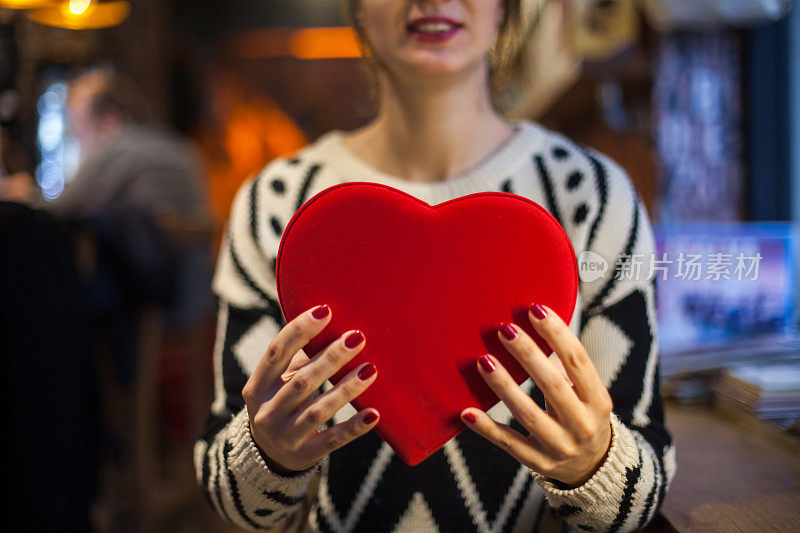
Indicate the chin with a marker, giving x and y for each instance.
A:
(425, 63)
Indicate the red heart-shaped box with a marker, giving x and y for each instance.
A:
(428, 286)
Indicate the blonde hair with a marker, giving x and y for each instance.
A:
(503, 56)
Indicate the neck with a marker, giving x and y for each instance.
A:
(433, 131)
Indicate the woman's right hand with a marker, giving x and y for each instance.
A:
(285, 414)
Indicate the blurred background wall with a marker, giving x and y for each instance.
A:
(248, 84)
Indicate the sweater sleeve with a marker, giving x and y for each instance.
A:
(229, 467)
(618, 330)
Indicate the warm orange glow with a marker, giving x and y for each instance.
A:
(324, 43)
(304, 43)
(248, 131)
(83, 14)
(26, 4)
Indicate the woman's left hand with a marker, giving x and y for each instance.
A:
(570, 440)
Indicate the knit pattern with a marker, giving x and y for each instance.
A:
(468, 485)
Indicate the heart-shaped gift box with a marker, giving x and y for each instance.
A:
(428, 286)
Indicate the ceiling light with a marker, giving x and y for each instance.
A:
(83, 14)
(26, 4)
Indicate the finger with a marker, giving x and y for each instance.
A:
(522, 449)
(328, 404)
(309, 378)
(546, 376)
(556, 362)
(333, 438)
(299, 360)
(525, 411)
(289, 340)
(571, 353)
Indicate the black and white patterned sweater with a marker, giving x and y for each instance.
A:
(468, 485)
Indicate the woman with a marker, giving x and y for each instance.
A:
(264, 464)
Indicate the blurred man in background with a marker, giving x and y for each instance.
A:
(124, 161)
(137, 193)
(135, 200)
(137, 213)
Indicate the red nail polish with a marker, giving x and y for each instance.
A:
(354, 339)
(508, 331)
(486, 364)
(538, 311)
(321, 312)
(470, 417)
(367, 372)
(371, 417)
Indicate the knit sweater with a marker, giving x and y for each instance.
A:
(470, 484)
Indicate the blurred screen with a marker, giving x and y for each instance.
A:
(719, 283)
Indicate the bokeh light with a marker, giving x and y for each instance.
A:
(58, 150)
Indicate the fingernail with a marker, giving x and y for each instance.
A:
(508, 331)
(288, 375)
(367, 372)
(371, 417)
(538, 311)
(354, 339)
(470, 417)
(486, 364)
(321, 312)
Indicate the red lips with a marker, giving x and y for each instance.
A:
(433, 28)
